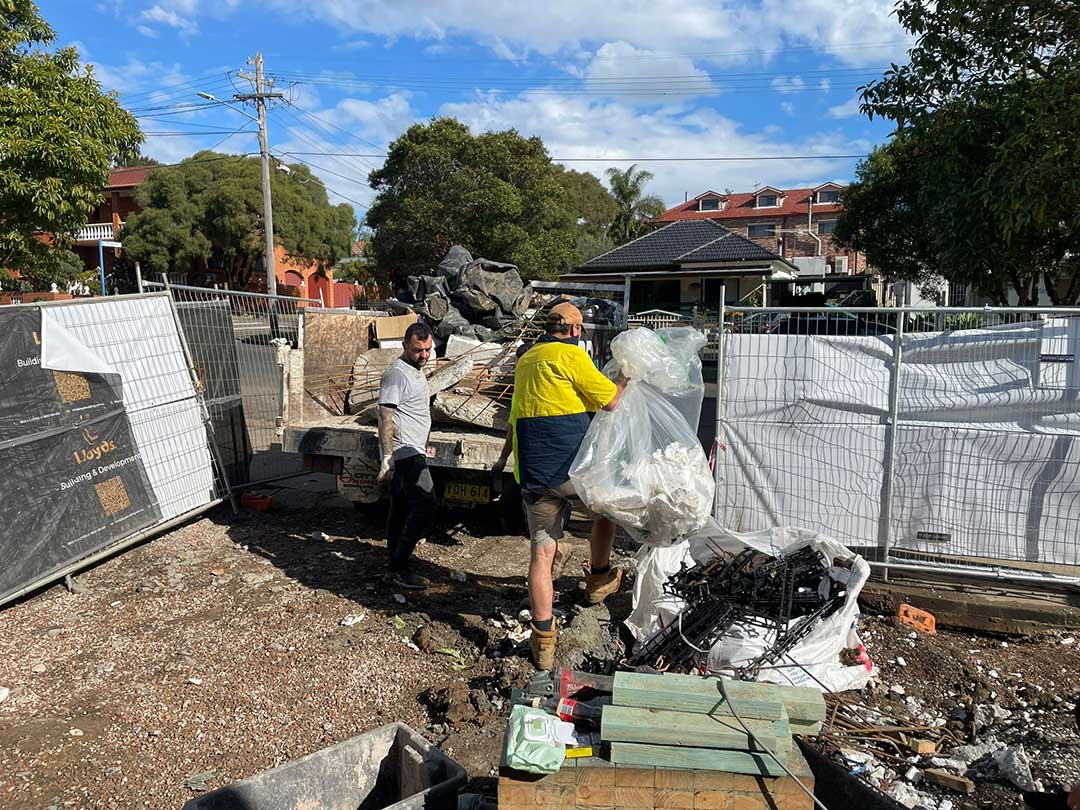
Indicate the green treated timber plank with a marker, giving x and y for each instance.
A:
(802, 702)
(704, 759)
(651, 692)
(807, 728)
(626, 724)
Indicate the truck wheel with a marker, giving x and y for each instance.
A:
(511, 509)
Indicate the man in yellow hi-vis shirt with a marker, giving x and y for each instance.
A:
(556, 387)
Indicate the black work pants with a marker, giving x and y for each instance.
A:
(412, 509)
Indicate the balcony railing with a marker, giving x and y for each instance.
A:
(94, 232)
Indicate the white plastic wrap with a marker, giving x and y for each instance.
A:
(815, 661)
(642, 464)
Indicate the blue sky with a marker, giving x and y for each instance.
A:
(602, 80)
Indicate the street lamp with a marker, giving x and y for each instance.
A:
(268, 212)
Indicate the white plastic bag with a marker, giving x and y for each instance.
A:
(642, 464)
(814, 661)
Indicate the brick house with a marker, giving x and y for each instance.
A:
(295, 275)
(108, 218)
(796, 224)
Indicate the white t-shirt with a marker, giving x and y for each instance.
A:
(405, 388)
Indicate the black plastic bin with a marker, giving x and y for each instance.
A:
(390, 767)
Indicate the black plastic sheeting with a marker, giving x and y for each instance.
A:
(74, 479)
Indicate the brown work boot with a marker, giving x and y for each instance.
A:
(543, 646)
(599, 587)
(561, 559)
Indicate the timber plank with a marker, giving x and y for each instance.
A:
(628, 724)
(689, 694)
(664, 756)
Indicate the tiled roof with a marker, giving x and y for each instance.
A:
(127, 177)
(679, 243)
(729, 248)
(741, 206)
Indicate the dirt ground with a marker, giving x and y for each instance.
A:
(239, 642)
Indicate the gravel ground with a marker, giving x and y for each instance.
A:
(1008, 692)
(219, 650)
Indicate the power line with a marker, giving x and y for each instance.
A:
(703, 87)
(354, 165)
(335, 126)
(854, 46)
(336, 174)
(174, 86)
(717, 158)
(178, 123)
(700, 75)
(235, 132)
(156, 134)
(187, 162)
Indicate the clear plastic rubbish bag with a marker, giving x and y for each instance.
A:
(669, 359)
(642, 464)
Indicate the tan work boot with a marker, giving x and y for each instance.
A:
(543, 646)
(599, 587)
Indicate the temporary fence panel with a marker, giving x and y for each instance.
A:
(903, 441)
(234, 338)
(102, 435)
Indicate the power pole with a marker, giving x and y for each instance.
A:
(260, 97)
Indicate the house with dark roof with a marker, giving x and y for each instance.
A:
(796, 224)
(681, 265)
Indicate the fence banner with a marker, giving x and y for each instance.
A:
(985, 458)
(33, 398)
(101, 432)
(70, 493)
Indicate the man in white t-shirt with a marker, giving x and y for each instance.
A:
(404, 425)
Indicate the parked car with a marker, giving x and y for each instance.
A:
(831, 323)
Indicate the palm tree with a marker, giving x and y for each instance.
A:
(628, 189)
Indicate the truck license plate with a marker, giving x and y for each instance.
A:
(467, 493)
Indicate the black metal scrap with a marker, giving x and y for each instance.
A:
(786, 596)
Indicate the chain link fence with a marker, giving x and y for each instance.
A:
(945, 438)
(235, 339)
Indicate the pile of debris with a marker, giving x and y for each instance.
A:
(783, 596)
(467, 297)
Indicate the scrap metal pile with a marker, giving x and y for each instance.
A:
(784, 597)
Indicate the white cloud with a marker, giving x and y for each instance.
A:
(787, 107)
(849, 109)
(732, 31)
(147, 31)
(380, 121)
(619, 133)
(182, 15)
(165, 16)
(785, 85)
(618, 67)
(825, 85)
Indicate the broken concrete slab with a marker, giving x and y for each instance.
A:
(470, 409)
(450, 374)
